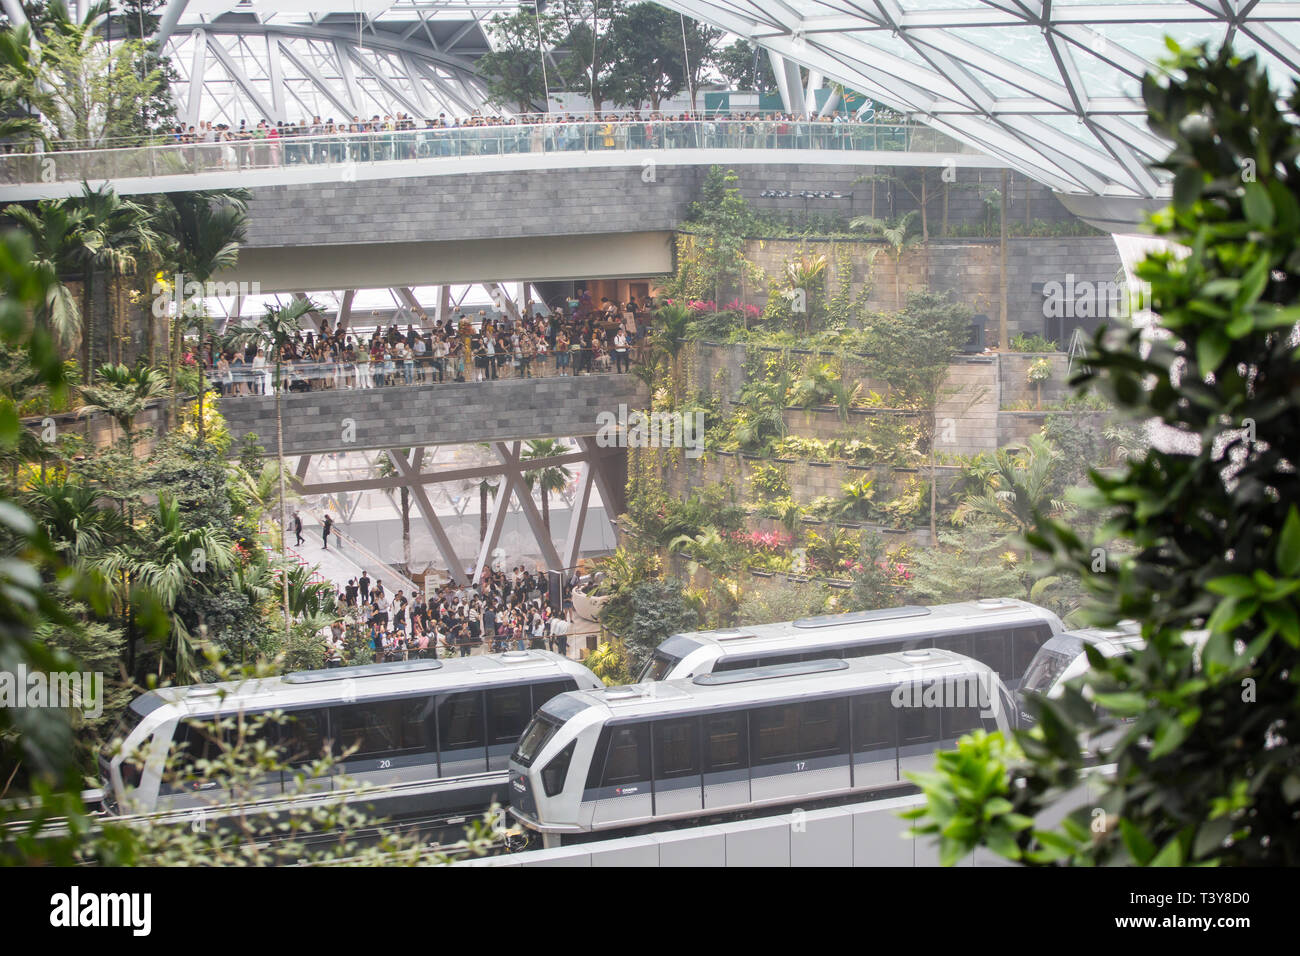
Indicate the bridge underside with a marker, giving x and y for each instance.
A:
(597, 472)
(532, 258)
(444, 414)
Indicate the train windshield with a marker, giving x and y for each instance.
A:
(658, 667)
(536, 736)
(1050, 663)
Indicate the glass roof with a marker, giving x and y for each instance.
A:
(1076, 74)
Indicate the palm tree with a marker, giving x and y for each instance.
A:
(123, 393)
(113, 233)
(805, 276)
(169, 565)
(1018, 488)
(54, 228)
(552, 479)
(384, 468)
(18, 71)
(671, 338)
(203, 230)
(278, 328)
(900, 239)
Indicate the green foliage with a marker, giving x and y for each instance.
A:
(645, 614)
(769, 602)
(968, 796)
(769, 482)
(978, 563)
(512, 68)
(609, 662)
(1205, 760)
(1032, 343)
(916, 344)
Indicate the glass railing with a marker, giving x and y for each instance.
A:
(245, 381)
(347, 151)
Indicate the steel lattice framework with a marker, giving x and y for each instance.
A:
(1049, 86)
(293, 61)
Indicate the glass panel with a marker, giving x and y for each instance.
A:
(629, 755)
(873, 722)
(725, 742)
(775, 733)
(460, 721)
(508, 713)
(676, 748)
(823, 728)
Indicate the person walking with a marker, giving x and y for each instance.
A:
(325, 530)
(297, 528)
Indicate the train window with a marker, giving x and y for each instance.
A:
(418, 725)
(508, 713)
(959, 720)
(959, 642)
(460, 721)
(725, 743)
(917, 724)
(677, 748)
(302, 735)
(629, 754)
(368, 729)
(557, 771)
(544, 692)
(991, 648)
(873, 722)
(734, 664)
(774, 732)
(823, 727)
(1025, 642)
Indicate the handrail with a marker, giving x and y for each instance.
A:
(347, 151)
(735, 114)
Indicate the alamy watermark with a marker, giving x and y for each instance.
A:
(637, 429)
(955, 691)
(82, 691)
(189, 296)
(1077, 298)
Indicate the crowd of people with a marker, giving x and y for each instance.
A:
(503, 611)
(401, 136)
(577, 337)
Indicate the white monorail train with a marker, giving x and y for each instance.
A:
(723, 743)
(1003, 633)
(1064, 657)
(429, 735)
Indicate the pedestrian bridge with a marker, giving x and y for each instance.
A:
(405, 416)
(172, 167)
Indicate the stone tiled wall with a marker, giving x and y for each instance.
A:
(558, 202)
(406, 416)
(969, 268)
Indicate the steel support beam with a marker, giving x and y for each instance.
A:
(411, 473)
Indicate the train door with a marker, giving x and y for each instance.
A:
(676, 766)
(462, 734)
(391, 741)
(875, 740)
(625, 790)
(726, 760)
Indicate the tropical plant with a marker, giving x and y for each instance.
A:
(550, 480)
(278, 328)
(1020, 488)
(114, 234)
(1038, 372)
(54, 228)
(900, 237)
(122, 393)
(172, 561)
(202, 231)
